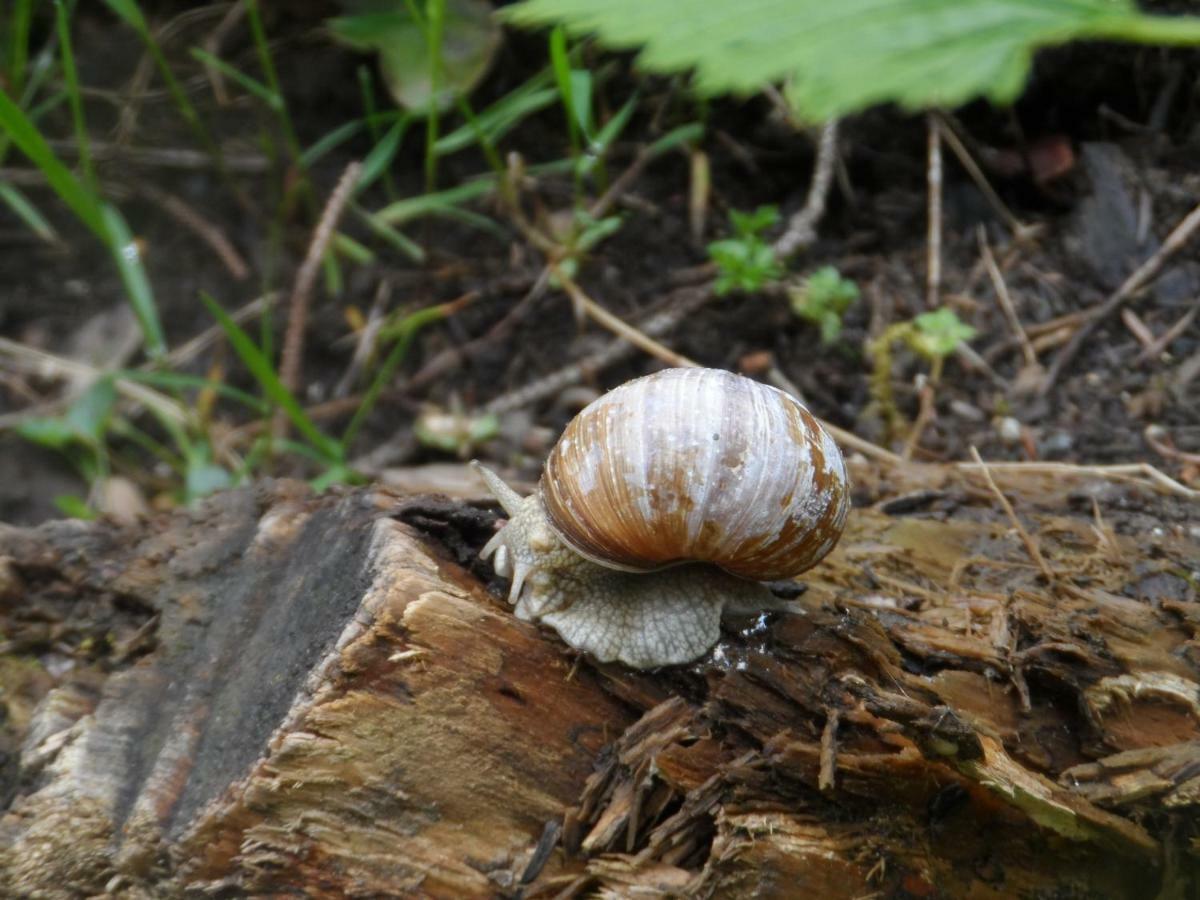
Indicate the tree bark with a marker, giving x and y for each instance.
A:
(286, 694)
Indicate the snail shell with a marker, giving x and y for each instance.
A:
(697, 465)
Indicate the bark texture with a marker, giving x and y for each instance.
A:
(286, 694)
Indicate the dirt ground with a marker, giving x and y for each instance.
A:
(1097, 161)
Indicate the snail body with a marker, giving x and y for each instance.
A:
(664, 502)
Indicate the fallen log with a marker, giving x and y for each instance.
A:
(280, 693)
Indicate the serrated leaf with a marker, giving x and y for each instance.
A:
(851, 54)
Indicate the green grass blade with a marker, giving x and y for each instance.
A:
(71, 77)
(18, 47)
(70, 190)
(435, 18)
(677, 137)
(27, 213)
(561, 64)
(331, 141)
(131, 14)
(264, 373)
(271, 98)
(351, 249)
(497, 120)
(613, 128)
(137, 286)
(404, 332)
(181, 380)
(381, 155)
(448, 202)
(389, 235)
(432, 203)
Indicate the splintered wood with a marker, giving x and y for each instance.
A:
(286, 694)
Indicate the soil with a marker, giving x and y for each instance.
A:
(1097, 158)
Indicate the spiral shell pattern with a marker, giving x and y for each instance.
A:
(697, 465)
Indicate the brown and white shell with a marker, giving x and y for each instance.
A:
(697, 465)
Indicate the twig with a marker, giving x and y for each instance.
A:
(452, 357)
(924, 416)
(1159, 440)
(1167, 337)
(684, 302)
(201, 227)
(293, 344)
(1137, 327)
(212, 46)
(1005, 301)
(1142, 276)
(828, 772)
(802, 227)
(364, 346)
(618, 326)
(166, 157)
(39, 362)
(1031, 546)
(933, 228)
(959, 149)
(1120, 472)
(620, 184)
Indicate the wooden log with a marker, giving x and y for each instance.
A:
(286, 694)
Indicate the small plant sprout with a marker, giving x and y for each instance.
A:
(933, 336)
(823, 299)
(454, 430)
(582, 234)
(746, 261)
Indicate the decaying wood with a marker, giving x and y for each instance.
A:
(281, 693)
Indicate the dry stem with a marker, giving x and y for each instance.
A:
(293, 344)
(1031, 546)
(933, 233)
(802, 228)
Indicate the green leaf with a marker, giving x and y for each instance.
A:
(823, 299)
(750, 224)
(74, 507)
(203, 476)
(676, 137)
(851, 54)
(746, 262)
(55, 432)
(469, 39)
(89, 415)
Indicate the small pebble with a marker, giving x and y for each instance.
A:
(1059, 442)
(1009, 430)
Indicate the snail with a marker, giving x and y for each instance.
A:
(666, 501)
